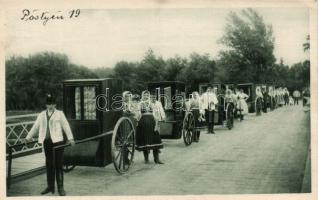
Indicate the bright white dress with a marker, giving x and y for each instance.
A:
(241, 103)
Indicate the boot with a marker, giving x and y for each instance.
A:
(198, 136)
(47, 190)
(60, 181)
(146, 156)
(156, 157)
(61, 190)
(194, 137)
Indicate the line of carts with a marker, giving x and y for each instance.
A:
(103, 133)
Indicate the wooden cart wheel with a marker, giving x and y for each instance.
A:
(188, 128)
(229, 116)
(68, 168)
(258, 105)
(123, 144)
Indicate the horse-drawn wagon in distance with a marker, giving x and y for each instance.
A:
(103, 135)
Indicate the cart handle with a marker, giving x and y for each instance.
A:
(78, 142)
(84, 140)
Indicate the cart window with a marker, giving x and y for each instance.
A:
(89, 103)
(167, 98)
(77, 103)
(72, 107)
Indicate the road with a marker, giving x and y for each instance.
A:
(262, 154)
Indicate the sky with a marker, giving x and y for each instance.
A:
(101, 38)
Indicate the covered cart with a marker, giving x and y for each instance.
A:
(93, 108)
(179, 122)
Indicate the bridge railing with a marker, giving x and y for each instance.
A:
(17, 128)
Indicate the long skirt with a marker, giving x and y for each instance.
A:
(198, 124)
(242, 106)
(196, 115)
(146, 136)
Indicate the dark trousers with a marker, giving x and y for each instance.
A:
(296, 101)
(209, 117)
(53, 169)
(286, 101)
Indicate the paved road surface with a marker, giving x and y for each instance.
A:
(264, 154)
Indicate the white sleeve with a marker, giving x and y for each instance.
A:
(35, 128)
(215, 99)
(66, 127)
(202, 101)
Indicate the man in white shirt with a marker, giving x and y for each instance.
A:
(208, 102)
(50, 125)
(296, 95)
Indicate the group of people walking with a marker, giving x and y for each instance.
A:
(146, 114)
(205, 105)
(282, 96)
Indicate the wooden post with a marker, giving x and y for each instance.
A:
(9, 168)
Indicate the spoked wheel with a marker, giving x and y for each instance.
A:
(229, 116)
(68, 168)
(188, 128)
(258, 105)
(123, 144)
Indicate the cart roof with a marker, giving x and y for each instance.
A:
(165, 82)
(89, 79)
(245, 83)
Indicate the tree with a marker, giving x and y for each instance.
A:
(104, 72)
(29, 79)
(200, 69)
(174, 68)
(127, 72)
(250, 44)
(151, 68)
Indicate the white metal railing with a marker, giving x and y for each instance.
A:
(17, 131)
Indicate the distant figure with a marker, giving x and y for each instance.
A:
(50, 125)
(260, 99)
(306, 97)
(266, 99)
(196, 108)
(296, 95)
(286, 96)
(208, 102)
(230, 97)
(281, 96)
(241, 104)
